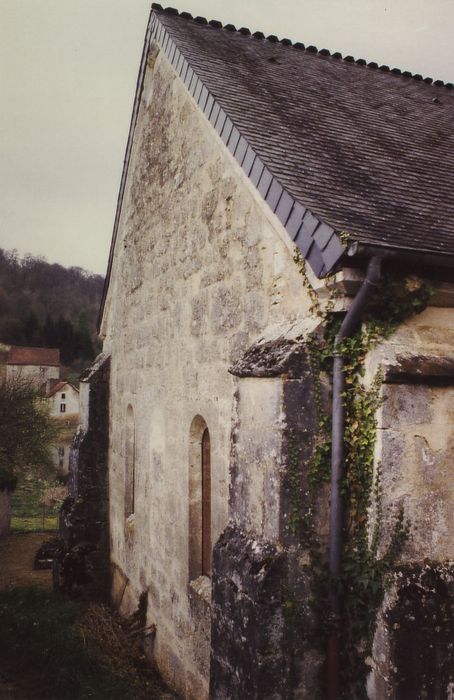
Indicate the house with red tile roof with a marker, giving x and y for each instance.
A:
(277, 377)
(36, 364)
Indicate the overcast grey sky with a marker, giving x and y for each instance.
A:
(68, 74)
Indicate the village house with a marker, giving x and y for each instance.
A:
(63, 398)
(38, 365)
(278, 371)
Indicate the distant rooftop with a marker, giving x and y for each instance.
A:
(59, 386)
(34, 356)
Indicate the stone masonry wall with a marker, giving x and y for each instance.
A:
(84, 558)
(262, 584)
(412, 656)
(201, 270)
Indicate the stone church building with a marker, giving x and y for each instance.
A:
(278, 323)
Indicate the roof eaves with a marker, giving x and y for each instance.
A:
(363, 249)
(60, 386)
(55, 388)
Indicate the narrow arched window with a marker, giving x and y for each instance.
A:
(206, 503)
(199, 545)
(129, 463)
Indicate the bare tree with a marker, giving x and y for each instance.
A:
(26, 431)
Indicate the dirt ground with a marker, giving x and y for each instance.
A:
(17, 553)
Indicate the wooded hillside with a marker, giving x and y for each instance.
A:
(48, 305)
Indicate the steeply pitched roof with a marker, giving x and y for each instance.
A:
(34, 356)
(59, 386)
(333, 145)
(365, 150)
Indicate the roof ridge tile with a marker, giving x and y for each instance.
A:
(300, 46)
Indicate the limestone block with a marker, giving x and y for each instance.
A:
(226, 309)
(406, 403)
(412, 650)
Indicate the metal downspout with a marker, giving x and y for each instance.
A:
(348, 327)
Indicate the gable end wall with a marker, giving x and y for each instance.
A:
(199, 273)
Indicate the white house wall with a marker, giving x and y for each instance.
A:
(35, 373)
(70, 401)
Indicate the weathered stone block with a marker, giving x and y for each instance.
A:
(262, 621)
(406, 403)
(199, 314)
(226, 310)
(248, 629)
(420, 623)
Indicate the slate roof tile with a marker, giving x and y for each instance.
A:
(356, 147)
(334, 132)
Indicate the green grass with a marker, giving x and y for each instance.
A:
(34, 523)
(28, 515)
(42, 651)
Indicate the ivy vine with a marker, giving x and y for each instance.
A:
(364, 574)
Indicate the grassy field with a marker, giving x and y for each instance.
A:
(67, 426)
(28, 512)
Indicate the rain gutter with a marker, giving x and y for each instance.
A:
(350, 323)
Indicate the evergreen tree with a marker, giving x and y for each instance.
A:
(31, 330)
(64, 332)
(49, 305)
(49, 333)
(86, 349)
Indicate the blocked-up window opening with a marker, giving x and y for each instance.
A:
(206, 503)
(129, 463)
(199, 544)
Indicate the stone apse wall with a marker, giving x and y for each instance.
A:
(412, 651)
